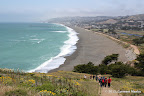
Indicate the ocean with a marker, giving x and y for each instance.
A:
(35, 47)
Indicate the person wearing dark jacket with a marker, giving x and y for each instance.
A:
(105, 82)
(93, 77)
(101, 84)
(96, 77)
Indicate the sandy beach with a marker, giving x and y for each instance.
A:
(93, 47)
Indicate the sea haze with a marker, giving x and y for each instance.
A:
(36, 47)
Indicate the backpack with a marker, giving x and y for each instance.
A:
(109, 80)
(105, 80)
(102, 80)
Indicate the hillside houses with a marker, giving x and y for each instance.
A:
(134, 22)
(141, 24)
(124, 25)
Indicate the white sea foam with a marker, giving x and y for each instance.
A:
(18, 40)
(66, 50)
(59, 31)
(37, 40)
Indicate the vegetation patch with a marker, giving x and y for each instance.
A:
(18, 92)
(117, 69)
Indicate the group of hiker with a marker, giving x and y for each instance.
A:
(103, 81)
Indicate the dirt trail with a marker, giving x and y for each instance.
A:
(105, 91)
(136, 51)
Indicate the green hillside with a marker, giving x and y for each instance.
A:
(60, 83)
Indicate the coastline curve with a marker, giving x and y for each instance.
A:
(67, 49)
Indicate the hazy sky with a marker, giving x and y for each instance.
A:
(37, 10)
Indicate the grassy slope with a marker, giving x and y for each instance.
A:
(63, 80)
(90, 86)
(31, 83)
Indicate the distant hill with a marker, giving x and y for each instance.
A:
(109, 21)
(81, 19)
(136, 17)
(123, 18)
(97, 19)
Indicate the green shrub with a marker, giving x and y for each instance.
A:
(138, 41)
(119, 70)
(47, 86)
(110, 68)
(108, 59)
(140, 63)
(132, 71)
(18, 92)
(140, 73)
(103, 69)
(86, 68)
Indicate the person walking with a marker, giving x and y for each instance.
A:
(99, 79)
(93, 77)
(96, 77)
(90, 76)
(109, 81)
(85, 76)
(101, 84)
(105, 81)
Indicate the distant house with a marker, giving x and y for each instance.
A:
(87, 27)
(141, 24)
(130, 20)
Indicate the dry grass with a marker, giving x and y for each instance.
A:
(4, 89)
(68, 74)
(88, 86)
(91, 87)
(77, 81)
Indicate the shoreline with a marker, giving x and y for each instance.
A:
(93, 47)
(67, 49)
(68, 58)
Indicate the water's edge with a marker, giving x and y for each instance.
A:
(67, 49)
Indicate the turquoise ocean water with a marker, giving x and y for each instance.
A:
(35, 46)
